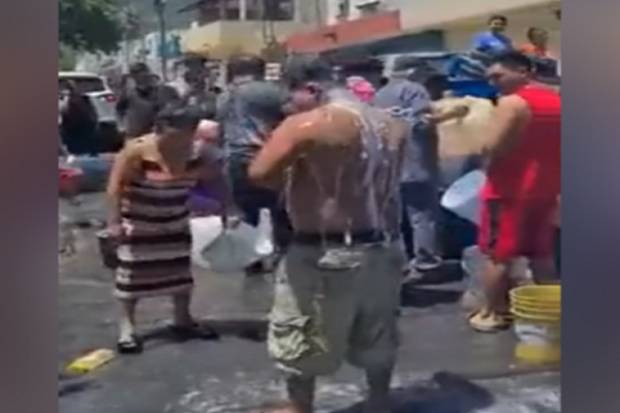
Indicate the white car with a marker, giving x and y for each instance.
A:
(102, 99)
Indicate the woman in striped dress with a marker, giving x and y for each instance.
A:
(148, 190)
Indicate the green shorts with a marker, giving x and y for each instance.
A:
(321, 318)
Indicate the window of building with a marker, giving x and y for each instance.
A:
(232, 10)
(254, 9)
(279, 10)
(208, 12)
(344, 8)
(369, 7)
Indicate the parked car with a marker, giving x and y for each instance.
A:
(439, 61)
(99, 96)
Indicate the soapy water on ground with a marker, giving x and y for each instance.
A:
(443, 393)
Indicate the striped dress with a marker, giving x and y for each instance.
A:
(154, 250)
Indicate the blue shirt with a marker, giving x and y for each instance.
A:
(495, 43)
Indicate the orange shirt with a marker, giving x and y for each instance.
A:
(533, 50)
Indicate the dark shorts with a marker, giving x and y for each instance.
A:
(512, 228)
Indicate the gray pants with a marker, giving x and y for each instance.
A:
(420, 229)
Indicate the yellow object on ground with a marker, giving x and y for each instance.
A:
(91, 361)
(538, 312)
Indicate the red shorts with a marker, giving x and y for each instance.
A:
(512, 228)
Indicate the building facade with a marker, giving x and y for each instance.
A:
(221, 28)
(459, 20)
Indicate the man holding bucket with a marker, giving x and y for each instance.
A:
(520, 196)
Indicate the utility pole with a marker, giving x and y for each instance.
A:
(160, 9)
(126, 29)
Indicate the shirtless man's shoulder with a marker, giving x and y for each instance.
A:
(315, 125)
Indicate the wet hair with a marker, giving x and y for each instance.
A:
(499, 17)
(177, 116)
(514, 60)
(246, 65)
(303, 69)
(138, 68)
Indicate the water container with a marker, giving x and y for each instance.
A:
(463, 196)
(538, 312)
(264, 242)
(108, 247)
(223, 250)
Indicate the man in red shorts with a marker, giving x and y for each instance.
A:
(520, 197)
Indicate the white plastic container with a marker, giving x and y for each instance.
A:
(463, 196)
(230, 250)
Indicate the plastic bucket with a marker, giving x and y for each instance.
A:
(538, 312)
(229, 250)
(108, 247)
(463, 196)
(539, 341)
(69, 181)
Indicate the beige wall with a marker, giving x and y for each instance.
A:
(227, 37)
(422, 13)
(462, 19)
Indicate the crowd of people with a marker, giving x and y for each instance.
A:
(343, 168)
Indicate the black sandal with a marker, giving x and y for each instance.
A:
(194, 332)
(130, 346)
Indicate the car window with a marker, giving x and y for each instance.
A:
(83, 84)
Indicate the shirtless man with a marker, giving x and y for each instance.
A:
(337, 290)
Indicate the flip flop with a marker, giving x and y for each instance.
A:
(133, 345)
(194, 332)
(490, 324)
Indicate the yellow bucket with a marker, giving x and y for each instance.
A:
(544, 294)
(538, 312)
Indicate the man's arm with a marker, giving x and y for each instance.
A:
(279, 151)
(439, 115)
(511, 116)
(122, 105)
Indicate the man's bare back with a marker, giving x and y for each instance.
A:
(325, 161)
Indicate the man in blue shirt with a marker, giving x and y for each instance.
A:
(494, 41)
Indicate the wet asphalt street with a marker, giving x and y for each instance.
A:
(443, 366)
